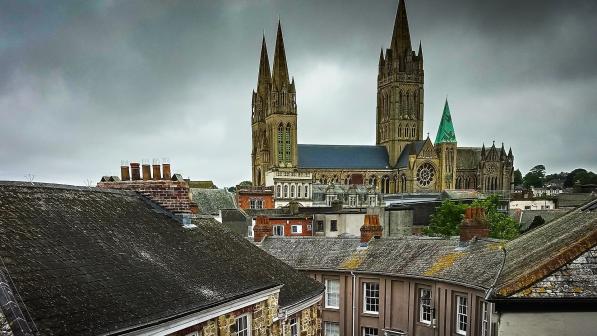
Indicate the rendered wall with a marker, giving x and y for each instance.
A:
(548, 324)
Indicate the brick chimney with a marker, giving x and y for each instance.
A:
(166, 175)
(262, 228)
(157, 171)
(125, 174)
(371, 228)
(474, 224)
(135, 171)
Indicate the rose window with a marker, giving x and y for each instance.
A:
(425, 174)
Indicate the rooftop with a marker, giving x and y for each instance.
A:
(92, 261)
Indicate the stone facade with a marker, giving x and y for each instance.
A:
(414, 163)
(264, 321)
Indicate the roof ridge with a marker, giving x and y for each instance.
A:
(45, 185)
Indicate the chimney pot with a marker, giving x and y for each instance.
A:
(146, 172)
(125, 174)
(166, 175)
(157, 172)
(135, 171)
(371, 228)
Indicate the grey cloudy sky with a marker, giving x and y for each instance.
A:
(86, 84)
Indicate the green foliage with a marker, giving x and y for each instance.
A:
(501, 226)
(448, 217)
(571, 177)
(517, 177)
(535, 177)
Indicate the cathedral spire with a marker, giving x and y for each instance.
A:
(401, 36)
(381, 59)
(445, 132)
(420, 55)
(264, 78)
(280, 69)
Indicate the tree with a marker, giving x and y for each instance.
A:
(517, 177)
(535, 177)
(571, 177)
(448, 216)
(446, 219)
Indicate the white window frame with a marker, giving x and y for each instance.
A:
(485, 320)
(373, 288)
(327, 326)
(368, 331)
(461, 314)
(274, 230)
(298, 227)
(425, 308)
(332, 299)
(294, 322)
(248, 325)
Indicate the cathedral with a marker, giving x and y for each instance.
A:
(401, 161)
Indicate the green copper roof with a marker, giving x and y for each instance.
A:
(445, 133)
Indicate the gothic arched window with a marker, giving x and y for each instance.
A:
(286, 191)
(287, 136)
(278, 191)
(306, 191)
(299, 190)
(292, 191)
(403, 183)
(280, 143)
(385, 185)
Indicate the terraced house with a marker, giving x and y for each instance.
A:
(87, 261)
(542, 283)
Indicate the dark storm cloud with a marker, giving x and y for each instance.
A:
(86, 84)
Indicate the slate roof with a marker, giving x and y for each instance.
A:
(527, 216)
(429, 258)
(211, 201)
(88, 261)
(445, 132)
(468, 157)
(541, 251)
(342, 156)
(413, 147)
(573, 200)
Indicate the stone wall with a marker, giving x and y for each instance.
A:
(262, 321)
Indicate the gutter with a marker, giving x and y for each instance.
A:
(354, 307)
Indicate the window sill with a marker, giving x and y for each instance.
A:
(332, 308)
(371, 314)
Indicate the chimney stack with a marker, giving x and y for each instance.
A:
(371, 228)
(146, 171)
(135, 171)
(157, 172)
(166, 175)
(262, 228)
(125, 174)
(474, 224)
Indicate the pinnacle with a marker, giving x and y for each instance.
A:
(280, 68)
(401, 36)
(264, 77)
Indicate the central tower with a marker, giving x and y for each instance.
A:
(273, 117)
(399, 117)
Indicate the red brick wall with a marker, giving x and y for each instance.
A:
(173, 196)
(264, 226)
(244, 200)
